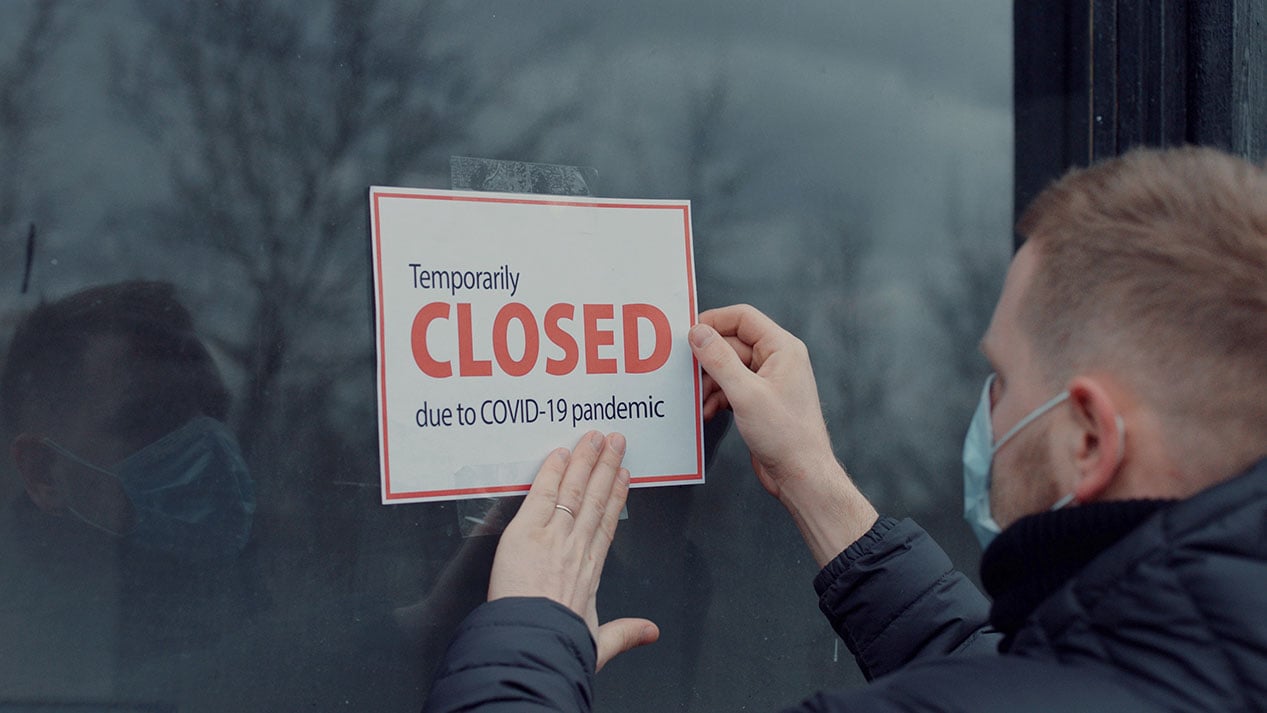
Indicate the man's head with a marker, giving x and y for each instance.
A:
(1142, 291)
(101, 373)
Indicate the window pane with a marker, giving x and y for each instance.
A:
(184, 190)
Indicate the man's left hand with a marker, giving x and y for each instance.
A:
(556, 545)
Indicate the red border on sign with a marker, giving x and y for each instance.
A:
(382, 351)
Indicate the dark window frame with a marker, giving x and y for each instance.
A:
(1093, 78)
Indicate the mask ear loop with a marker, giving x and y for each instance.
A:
(1029, 418)
(67, 453)
(1121, 453)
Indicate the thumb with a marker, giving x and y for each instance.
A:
(718, 359)
(620, 635)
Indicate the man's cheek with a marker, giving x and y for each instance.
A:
(1025, 478)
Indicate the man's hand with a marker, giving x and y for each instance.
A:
(763, 373)
(556, 545)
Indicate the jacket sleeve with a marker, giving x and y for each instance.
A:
(516, 654)
(894, 598)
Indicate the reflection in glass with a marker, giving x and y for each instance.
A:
(198, 174)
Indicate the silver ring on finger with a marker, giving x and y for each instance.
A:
(565, 509)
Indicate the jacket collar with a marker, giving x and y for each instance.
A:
(1161, 572)
(1041, 552)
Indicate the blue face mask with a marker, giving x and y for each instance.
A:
(190, 491)
(979, 448)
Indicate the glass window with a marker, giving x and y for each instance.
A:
(185, 313)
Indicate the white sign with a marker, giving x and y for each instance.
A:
(508, 325)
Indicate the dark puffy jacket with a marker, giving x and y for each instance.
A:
(517, 654)
(1173, 617)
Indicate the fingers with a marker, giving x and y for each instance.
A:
(745, 322)
(596, 505)
(538, 506)
(557, 544)
(720, 360)
(712, 397)
(715, 403)
(605, 526)
(576, 478)
(752, 338)
(620, 635)
(742, 349)
(746, 325)
(616, 503)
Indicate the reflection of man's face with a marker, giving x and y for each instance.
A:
(121, 403)
(1023, 479)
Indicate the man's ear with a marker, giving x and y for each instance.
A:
(35, 462)
(1100, 447)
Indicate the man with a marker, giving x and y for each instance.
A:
(114, 412)
(1118, 446)
(130, 567)
(128, 539)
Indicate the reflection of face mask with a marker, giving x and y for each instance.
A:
(190, 491)
(979, 448)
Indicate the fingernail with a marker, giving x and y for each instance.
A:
(596, 440)
(561, 453)
(701, 335)
(617, 442)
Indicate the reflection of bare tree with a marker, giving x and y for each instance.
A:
(840, 316)
(963, 307)
(288, 111)
(274, 119)
(826, 302)
(291, 111)
(714, 171)
(713, 174)
(22, 111)
(960, 305)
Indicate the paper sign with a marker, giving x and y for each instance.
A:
(509, 325)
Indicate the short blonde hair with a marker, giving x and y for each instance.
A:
(1154, 264)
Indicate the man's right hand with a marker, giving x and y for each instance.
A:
(763, 373)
